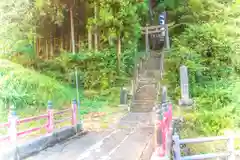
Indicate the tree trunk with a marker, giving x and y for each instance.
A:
(118, 53)
(37, 47)
(89, 38)
(72, 31)
(46, 48)
(51, 46)
(95, 30)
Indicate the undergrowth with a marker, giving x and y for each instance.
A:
(96, 70)
(211, 53)
(29, 91)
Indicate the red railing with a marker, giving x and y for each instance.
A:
(163, 129)
(49, 125)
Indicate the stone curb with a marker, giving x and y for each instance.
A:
(148, 150)
(36, 145)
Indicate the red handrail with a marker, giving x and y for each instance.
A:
(49, 125)
(163, 128)
(3, 125)
(31, 130)
(30, 119)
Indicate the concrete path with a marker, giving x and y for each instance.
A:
(127, 140)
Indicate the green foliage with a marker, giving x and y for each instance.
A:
(15, 20)
(97, 70)
(29, 91)
(210, 52)
(23, 87)
(23, 19)
(119, 18)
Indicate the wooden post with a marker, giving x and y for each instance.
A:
(141, 64)
(137, 74)
(161, 65)
(167, 41)
(146, 40)
(176, 147)
(50, 125)
(132, 90)
(12, 130)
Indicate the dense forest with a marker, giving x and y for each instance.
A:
(42, 42)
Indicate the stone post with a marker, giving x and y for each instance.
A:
(123, 97)
(74, 112)
(185, 99)
(12, 130)
(50, 126)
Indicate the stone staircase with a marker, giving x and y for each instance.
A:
(146, 94)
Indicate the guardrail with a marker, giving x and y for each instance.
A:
(229, 154)
(49, 126)
(163, 128)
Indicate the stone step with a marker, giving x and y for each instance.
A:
(145, 101)
(143, 104)
(136, 109)
(145, 98)
(155, 54)
(144, 86)
(143, 77)
(146, 82)
(146, 92)
(153, 63)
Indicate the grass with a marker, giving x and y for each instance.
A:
(29, 92)
(26, 89)
(188, 131)
(189, 128)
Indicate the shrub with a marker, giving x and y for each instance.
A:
(23, 87)
(207, 50)
(97, 70)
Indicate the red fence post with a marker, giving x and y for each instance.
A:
(170, 114)
(50, 123)
(12, 120)
(74, 112)
(160, 133)
(164, 127)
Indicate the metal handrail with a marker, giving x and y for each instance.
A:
(230, 153)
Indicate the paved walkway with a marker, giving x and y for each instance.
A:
(125, 141)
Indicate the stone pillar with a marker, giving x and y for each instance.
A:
(185, 99)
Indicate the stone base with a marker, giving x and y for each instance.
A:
(34, 146)
(79, 127)
(155, 157)
(185, 102)
(123, 105)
